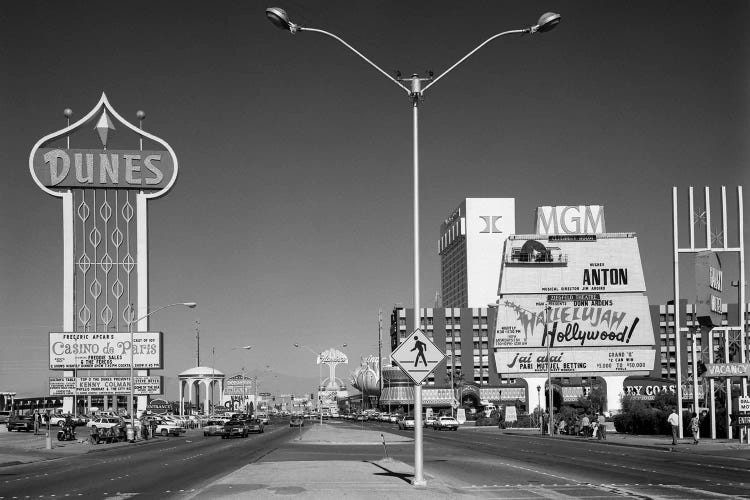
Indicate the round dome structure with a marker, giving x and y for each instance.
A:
(206, 376)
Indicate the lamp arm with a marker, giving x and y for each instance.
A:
(301, 28)
(511, 32)
(155, 311)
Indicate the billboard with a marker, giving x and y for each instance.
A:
(97, 168)
(91, 386)
(601, 263)
(709, 287)
(104, 351)
(580, 219)
(238, 386)
(573, 321)
(581, 362)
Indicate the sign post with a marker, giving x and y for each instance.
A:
(417, 356)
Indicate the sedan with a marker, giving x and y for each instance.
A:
(297, 422)
(255, 425)
(446, 423)
(406, 423)
(213, 428)
(103, 422)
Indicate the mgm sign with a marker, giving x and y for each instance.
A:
(99, 168)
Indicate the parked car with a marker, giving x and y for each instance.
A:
(263, 417)
(406, 423)
(255, 425)
(103, 422)
(213, 428)
(297, 421)
(21, 423)
(430, 421)
(446, 424)
(235, 427)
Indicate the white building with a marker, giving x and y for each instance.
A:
(471, 248)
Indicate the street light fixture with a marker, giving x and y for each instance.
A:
(413, 87)
(131, 405)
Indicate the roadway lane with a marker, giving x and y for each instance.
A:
(489, 464)
(151, 470)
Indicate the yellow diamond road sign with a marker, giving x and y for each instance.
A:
(417, 356)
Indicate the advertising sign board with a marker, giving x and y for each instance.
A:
(573, 320)
(510, 414)
(581, 219)
(553, 264)
(578, 361)
(238, 386)
(718, 370)
(97, 168)
(709, 285)
(90, 386)
(159, 406)
(744, 404)
(104, 351)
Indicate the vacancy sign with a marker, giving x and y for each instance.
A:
(417, 356)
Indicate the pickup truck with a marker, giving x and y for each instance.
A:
(21, 423)
(235, 427)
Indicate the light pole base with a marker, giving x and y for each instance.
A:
(418, 482)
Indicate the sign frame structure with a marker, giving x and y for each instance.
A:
(93, 292)
(714, 242)
(430, 354)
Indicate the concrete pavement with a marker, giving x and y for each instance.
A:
(377, 479)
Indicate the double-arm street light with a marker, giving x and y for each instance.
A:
(131, 406)
(415, 91)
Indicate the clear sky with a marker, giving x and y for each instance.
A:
(291, 218)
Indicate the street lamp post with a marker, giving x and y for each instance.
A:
(414, 89)
(131, 405)
(549, 370)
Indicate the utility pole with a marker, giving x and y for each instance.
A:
(197, 343)
(380, 354)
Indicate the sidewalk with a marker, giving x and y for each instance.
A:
(368, 479)
(715, 447)
(22, 448)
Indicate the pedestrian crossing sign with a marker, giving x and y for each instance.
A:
(417, 356)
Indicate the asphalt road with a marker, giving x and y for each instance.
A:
(160, 469)
(498, 465)
(479, 463)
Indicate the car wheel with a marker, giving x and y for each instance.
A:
(164, 432)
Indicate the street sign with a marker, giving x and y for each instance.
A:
(417, 356)
(744, 405)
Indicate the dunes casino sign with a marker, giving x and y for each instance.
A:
(112, 169)
(57, 169)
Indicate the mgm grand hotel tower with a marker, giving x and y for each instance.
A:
(572, 305)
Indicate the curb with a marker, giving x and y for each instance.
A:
(665, 447)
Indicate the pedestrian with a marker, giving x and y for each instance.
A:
(37, 422)
(695, 427)
(94, 435)
(561, 427)
(674, 421)
(602, 426)
(585, 425)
